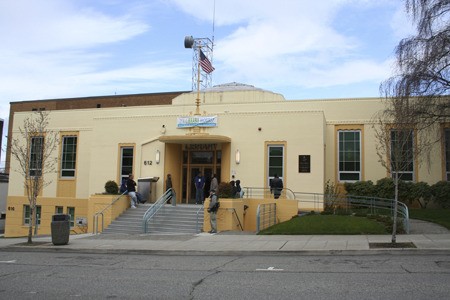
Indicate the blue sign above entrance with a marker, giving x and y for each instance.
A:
(197, 121)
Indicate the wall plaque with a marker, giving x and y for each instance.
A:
(304, 163)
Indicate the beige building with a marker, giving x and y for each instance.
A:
(232, 129)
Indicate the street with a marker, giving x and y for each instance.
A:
(54, 275)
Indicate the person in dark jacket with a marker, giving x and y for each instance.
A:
(214, 184)
(199, 182)
(169, 185)
(212, 209)
(276, 185)
(239, 193)
(131, 188)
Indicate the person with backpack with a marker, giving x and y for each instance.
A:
(212, 209)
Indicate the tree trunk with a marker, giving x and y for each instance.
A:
(30, 227)
(394, 225)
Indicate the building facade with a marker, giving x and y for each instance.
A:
(229, 130)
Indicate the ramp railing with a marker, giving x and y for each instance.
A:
(157, 206)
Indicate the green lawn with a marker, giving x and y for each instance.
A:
(327, 224)
(438, 216)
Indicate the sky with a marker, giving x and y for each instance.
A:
(301, 49)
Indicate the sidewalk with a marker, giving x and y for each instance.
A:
(426, 237)
(227, 243)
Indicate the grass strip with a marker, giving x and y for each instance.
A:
(326, 224)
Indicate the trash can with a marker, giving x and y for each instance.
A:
(147, 188)
(60, 228)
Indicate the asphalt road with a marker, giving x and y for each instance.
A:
(52, 275)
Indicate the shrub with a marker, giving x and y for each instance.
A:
(225, 190)
(422, 193)
(441, 193)
(405, 191)
(385, 188)
(360, 188)
(331, 198)
(111, 187)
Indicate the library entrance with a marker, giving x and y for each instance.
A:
(204, 159)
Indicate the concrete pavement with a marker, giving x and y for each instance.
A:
(425, 237)
(231, 243)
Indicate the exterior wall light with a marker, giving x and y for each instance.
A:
(158, 156)
(237, 157)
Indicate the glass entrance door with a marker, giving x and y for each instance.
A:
(206, 173)
(207, 162)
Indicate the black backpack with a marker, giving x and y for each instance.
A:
(216, 206)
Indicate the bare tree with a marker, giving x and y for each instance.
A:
(423, 63)
(403, 144)
(32, 148)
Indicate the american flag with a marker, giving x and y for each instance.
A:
(205, 63)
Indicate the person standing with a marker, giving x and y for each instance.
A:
(199, 182)
(169, 186)
(212, 209)
(131, 188)
(239, 192)
(214, 184)
(276, 185)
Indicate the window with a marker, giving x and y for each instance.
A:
(27, 214)
(402, 154)
(126, 162)
(349, 149)
(68, 156)
(275, 161)
(71, 213)
(59, 210)
(36, 153)
(447, 152)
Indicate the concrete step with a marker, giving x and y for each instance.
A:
(170, 219)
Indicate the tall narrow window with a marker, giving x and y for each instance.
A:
(71, 213)
(275, 161)
(126, 162)
(447, 152)
(27, 214)
(36, 152)
(402, 154)
(68, 156)
(349, 148)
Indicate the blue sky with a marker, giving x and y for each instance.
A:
(299, 48)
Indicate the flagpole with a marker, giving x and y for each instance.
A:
(197, 101)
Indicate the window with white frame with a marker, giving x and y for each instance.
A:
(349, 158)
(27, 214)
(36, 153)
(71, 213)
(447, 152)
(402, 154)
(275, 161)
(68, 156)
(126, 162)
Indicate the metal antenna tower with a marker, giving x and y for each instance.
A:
(200, 79)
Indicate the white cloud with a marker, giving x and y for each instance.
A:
(28, 26)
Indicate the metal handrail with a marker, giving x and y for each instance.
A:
(237, 217)
(372, 203)
(197, 227)
(272, 212)
(251, 192)
(153, 210)
(95, 229)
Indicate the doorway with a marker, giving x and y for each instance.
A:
(207, 162)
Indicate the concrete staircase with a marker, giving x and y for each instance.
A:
(180, 219)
